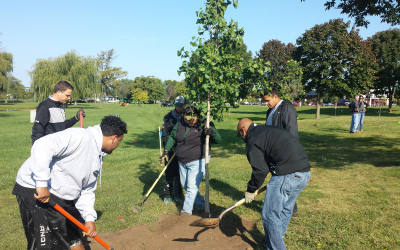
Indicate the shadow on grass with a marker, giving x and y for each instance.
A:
(331, 151)
(343, 111)
(3, 114)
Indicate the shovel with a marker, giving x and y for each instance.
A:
(213, 222)
(76, 222)
(136, 209)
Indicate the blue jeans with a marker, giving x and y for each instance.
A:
(355, 119)
(362, 114)
(281, 195)
(191, 175)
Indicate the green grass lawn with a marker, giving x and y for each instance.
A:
(351, 202)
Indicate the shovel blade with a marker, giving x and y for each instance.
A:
(136, 210)
(207, 222)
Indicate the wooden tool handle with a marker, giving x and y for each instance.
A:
(81, 118)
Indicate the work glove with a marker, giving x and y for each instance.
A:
(249, 197)
(164, 156)
(210, 132)
(77, 116)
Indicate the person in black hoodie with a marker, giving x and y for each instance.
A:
(50, 114)
(281, 113)
(189, 137)
(270, 149)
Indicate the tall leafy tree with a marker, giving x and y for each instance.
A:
(124, 89)
(386, 47)
(6, 66)
(16, 89)
(335, 60)
(169, 86)
(292, 85)
(181, 88)
(387, 10)
(215, 74)
(110, 76)
(278, 54)
(152, 86)
(81, 72)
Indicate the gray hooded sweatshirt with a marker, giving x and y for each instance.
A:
(68, 163)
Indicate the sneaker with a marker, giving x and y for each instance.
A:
(180, 199)
(184, 214)
(168, 201)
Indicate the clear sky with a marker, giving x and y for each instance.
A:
(145, 34)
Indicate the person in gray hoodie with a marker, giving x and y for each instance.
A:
(64, 167)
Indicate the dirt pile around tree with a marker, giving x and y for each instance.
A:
(174, 232)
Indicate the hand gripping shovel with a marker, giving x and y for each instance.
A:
(136, 209)
(213, 222)
(76, 222)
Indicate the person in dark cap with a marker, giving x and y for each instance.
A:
(271, 149)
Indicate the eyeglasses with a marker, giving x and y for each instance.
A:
(65, 94)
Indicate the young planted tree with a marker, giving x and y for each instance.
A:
(110, 76)
(214, 71)
(386, 47)
(291, 83)
(81, 72)
(335, 61)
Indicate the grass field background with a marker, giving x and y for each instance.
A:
(352, 200)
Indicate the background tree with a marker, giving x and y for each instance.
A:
(124, 89)
(214, 74)
(110, 76)
(6, 66)
(154, 87)
(292, 85)
(278, 54)
(169, 86)
(143, 97)
(16, 89)
(387, 10)
(81, 72)
(181, 88)
(386, 47)
(335, 61)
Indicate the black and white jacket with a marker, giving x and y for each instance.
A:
(50, 118)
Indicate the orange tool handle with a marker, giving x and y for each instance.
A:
(76, 222)
(81, 118)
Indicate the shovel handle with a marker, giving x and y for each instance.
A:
(240, 202)
(81, 118)
(76, 222)
(159, 176)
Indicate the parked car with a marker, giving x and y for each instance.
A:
(343, 103)
(246, 103)
(296, 103)
(150, 102)
(167, 104)
(327, 104)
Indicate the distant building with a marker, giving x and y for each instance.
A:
(27, 89)
(310, 95)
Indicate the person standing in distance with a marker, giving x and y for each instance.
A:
(50, 114)
(64, 167)
(271, 149)
(281, 113)
(172, 183)
(362, 112)
(355, 115)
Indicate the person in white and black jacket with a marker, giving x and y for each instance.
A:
(50, 113)
(270, 149)
(64, 167)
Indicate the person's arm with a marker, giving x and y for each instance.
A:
(172, 138)
(255, 156)
(42, 119)
(85, 202)
(215, 137)
(71, 122)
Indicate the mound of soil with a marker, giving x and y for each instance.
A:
(174, 232)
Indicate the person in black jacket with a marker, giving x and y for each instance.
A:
(270, 149)
(172, 183)
(50, 114)
(189, 137)
(281, 113)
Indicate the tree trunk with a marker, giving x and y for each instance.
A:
(5, 101)
(207, 194)
(390, 100)
(318, 107)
